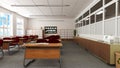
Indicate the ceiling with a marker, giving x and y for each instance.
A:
(29, 9)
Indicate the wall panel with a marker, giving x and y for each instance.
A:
(98, 28)
(110, 27)
(119, 26)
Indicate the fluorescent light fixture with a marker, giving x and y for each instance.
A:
(100, 12)
(40, 5)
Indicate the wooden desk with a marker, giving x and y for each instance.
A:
(6, 44)
(42, 51)
(21, 41)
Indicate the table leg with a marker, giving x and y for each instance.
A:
(27, 64)
(2, 52)
(60, 62)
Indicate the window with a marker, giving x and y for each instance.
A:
(110, 11)
(84, 23)
(119, 7)
(99, 16)
(81, 23)
(86, 14)
(97, 6)
(87, 21)
(20, 27)
(107, 1)
(80, 18)
(5, 25)
(92, 19)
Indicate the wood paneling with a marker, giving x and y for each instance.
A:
(42, 53)
(102, 50)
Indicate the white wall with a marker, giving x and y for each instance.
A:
(61, 24)
(65, 26)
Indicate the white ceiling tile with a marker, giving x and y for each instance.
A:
(25, 2)
(8, 2)
(55, 2)
(57, 10)
(76, 6)
(41, 2)
(46, 10)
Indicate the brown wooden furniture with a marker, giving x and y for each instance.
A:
(42, 51)
(7, 44)
(117, 54)
(102, 50)
(21, 41)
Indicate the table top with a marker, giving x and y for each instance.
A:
(7, 40)
(43, 45)
(21, 38)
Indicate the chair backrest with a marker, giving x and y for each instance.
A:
(7, 38)
(26, 37)
(41, 41)
(1, 42)
(15, 39)
(32, 36)
(53, 41)
(53, 37)
(36, 36)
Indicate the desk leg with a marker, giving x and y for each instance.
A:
(27, 64)
(60, 62)
(2, 53)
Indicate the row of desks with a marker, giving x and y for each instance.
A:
(6, 43)
(38, 51)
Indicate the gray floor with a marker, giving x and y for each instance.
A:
(72, 57)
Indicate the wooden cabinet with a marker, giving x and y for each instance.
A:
(102, 50)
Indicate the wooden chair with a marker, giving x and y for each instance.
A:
(26, 39)
(53, 41)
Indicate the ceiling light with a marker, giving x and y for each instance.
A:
(40, 5)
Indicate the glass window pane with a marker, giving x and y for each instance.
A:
(20, 26)
(6, 32)
(84, 23)
(80, 18)
(92, 19)
(119, 7)
(87, 21)
(86, 14)
(1, 32)
(97, 6)
(99, 16)
(110, 11)
(5, 24)
(1, 22)
(107, 1)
